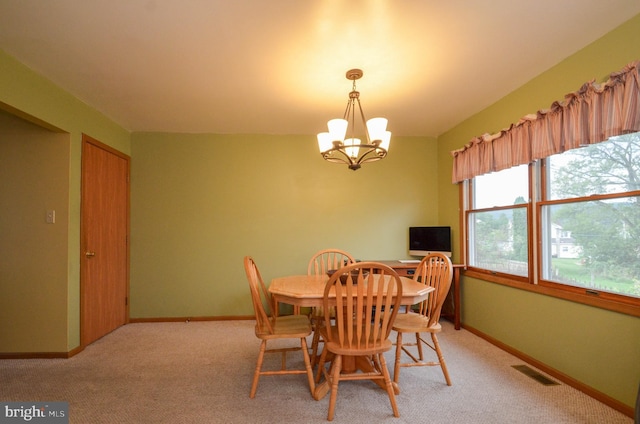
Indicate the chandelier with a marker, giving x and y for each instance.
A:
(353, 151)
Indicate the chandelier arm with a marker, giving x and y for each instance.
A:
(346, 111)
(364, 122)
(372, 154)
(343, 157)
(353, 118)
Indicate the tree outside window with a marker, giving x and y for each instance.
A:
(593, 194)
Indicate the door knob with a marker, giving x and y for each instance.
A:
(89, 254)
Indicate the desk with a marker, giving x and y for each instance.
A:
(449, 311)
(305, 290)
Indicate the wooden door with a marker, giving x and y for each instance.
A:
(104, 256)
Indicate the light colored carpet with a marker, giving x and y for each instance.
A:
(200, 372)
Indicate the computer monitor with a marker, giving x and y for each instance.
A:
(425, 240)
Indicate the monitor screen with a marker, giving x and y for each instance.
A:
(424, 240)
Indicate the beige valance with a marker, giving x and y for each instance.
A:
(590, 115)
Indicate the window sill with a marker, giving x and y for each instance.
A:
(584, 298)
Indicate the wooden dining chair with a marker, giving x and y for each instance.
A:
(366, 304)
(328, 259)
(270, 327)
(434, 270)
(320, 264)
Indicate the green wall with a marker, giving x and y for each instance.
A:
(34, 98)
(200, 203)
(34, 178)
(594, 346)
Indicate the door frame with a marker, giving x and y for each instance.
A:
(86, 139)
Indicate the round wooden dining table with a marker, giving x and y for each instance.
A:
(308, 291)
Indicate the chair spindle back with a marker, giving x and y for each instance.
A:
(434, 270)
(262, 300)
(366, 304)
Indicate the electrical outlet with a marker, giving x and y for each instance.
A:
(51, 217)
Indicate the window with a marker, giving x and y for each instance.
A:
(591, 217)
(569, 222)
(498, 221)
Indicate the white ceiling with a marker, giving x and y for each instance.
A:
(278, 66)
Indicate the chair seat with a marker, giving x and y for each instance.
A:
(415, 323)
(361, 350)
(291, 326)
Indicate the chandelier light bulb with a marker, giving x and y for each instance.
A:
(376, 128)
(338, 129)
(352, 145)
(324, 141)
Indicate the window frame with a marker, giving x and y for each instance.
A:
(516, 277)
(537, 180)
(468, 211)
(541, 203)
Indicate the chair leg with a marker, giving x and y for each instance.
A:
(314, 345)
(389, 386)
(443, 365)
(323, 358)
(256, 374)
(307, 363)
(396, 368)
(376, 363)
(419, 344)
(335, 379)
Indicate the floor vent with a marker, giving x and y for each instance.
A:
(535, 375)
